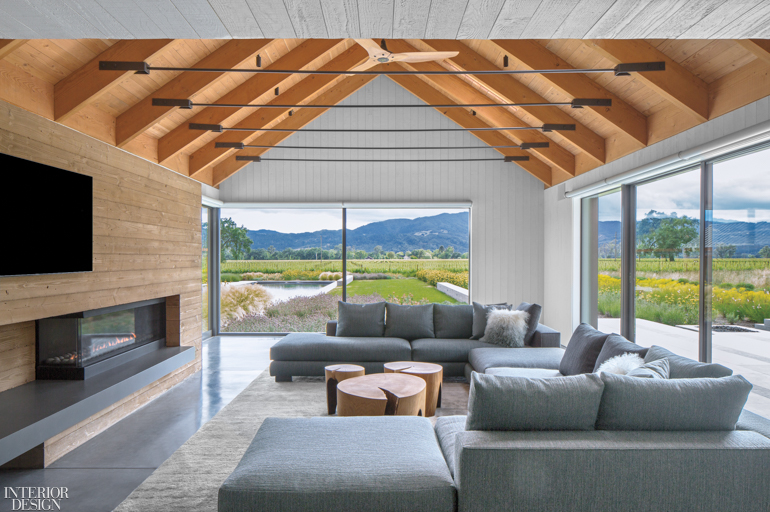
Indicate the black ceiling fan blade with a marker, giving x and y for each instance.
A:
(383, 46)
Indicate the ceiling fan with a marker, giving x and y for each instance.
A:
(379, 54)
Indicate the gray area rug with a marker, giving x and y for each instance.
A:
(191, 477)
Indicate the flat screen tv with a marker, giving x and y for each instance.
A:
(47, 219)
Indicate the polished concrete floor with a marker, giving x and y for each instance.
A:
(102, 472)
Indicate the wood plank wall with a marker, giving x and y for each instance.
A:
(147, 244)
(507, 214)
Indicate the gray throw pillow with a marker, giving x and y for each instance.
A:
(653, 370)
(629, 403)
(480, 312)
(534, 311)
(685, 368)
(521, 403)
(616, 345)
(409, 322)
(360, 320)
(453, 321)
(584, 347)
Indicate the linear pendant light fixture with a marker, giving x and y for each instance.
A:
(545, 128)
(261, 159)
(241, 145)
(142, 68)
(576, 103)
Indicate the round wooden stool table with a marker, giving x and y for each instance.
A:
(335, 374)
(432, 374)
(381, 394)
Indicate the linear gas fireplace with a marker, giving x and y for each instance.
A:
(81, 345)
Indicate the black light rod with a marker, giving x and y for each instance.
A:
(545, 128)
(619, 70)
(576, 103)
(505, 159)
(240, 145)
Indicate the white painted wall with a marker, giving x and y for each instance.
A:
(507, 213)
(562, 250)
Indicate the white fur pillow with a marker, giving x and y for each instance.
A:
(621, 364)
(506, 328)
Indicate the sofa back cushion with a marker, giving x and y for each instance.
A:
(480, 312)
(521, 403)
(631, 403)
(409, 322)
(583, 350)
(534, 311)
(617, 345)
(453, 321)
(685, 368)
(360, 320)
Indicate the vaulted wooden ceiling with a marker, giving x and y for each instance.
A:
(60, 80)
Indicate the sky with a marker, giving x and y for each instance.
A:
(303, 221)
(741, 188)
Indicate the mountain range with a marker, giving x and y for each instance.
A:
(397, 235)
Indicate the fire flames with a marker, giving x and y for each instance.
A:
(103, 346)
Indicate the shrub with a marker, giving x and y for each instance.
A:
(230, 278)
(238, 302)
(443, 276)
(300, 275)
(407, 299)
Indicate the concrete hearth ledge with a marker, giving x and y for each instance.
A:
(38, 410)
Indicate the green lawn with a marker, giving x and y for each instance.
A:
(397, 287)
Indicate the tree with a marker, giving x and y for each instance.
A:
(764, 252)
(377, 252)
(235, 240)
(670, 237)
(724, 251)
(390, 255)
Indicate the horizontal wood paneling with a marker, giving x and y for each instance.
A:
(506, 224)
(147, 244)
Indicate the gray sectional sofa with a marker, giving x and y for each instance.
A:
(449, 344)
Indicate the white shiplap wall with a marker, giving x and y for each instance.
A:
(562, 222)
(506, 218)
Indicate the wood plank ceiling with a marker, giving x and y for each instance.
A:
(59, 79)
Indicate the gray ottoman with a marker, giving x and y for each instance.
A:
(337, 464)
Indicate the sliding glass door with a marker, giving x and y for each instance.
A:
(205, 252)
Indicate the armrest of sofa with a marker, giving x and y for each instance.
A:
(503, 470)
(331, 328)
(546, 337)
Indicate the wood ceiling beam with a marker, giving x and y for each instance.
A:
(511, 90)
(301, 118)
(676, 84)
(249, 91)
(532, 55)
(8, 46)
(299, 93)
(137, 119)
(88, 83)
(759, 47)
(463, 93)
(462, 117)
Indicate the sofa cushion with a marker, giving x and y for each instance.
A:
(453, 320)
(480, 312)
(521, 403)
(630, 403)
(531, 373)
(447, 428)
(534, 311)
(685, 368)
(303, 464)
(409, 322)
(435, 350)
(584, 347)
(308, 346)
(360, 320)
(528, 357)
(653, 370)
(616, 345)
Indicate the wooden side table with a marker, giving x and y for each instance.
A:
(432, 374)
(378, 394)
(335, 374)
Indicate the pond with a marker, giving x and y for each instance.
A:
(281, 291)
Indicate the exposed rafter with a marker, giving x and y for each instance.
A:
(533, 55)
(88, 83)
(677, 85)
(759, 47)
(301, 92)
(300, 57)
(8, 46)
